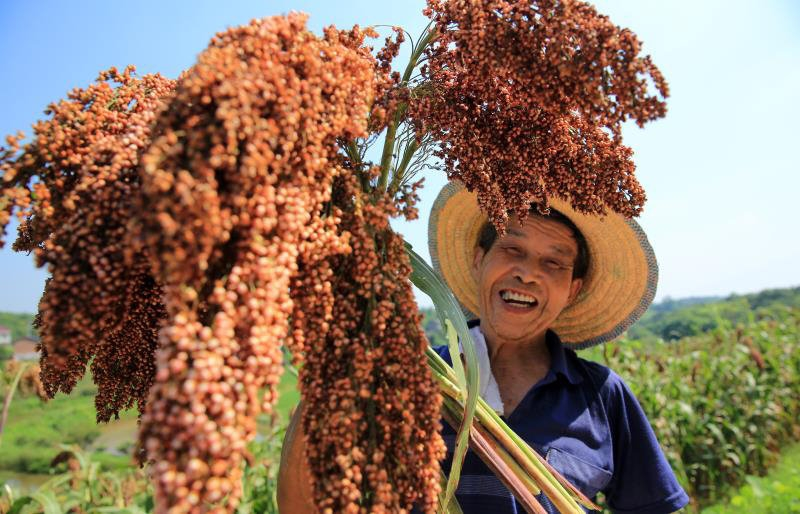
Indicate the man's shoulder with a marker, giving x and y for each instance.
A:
(603, 379)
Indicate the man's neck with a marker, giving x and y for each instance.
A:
(517, 367)
(518, 355)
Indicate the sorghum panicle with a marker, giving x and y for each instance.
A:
(527, 100)
(73, 185)
(371, 414)
(240, 161)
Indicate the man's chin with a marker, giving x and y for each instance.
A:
(510, 331)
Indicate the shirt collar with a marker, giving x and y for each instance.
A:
(561, 362)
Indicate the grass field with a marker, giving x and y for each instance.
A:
(35, 428)
(776, 493)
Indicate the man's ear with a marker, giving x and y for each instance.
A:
(575, 288)
(477, 258)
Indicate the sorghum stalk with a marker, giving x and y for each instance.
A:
(498, 460)
(399, 116)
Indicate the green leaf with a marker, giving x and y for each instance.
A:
(455, 354)
(17, 506)
(91, 474)
(8, 493)
(714, 429)
(55, 482)
(449, 312)
(755, 485)
(82, 458)
(48, 501)
(462, 437)
(117, 486)
(450, 507)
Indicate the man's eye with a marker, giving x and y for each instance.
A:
(511, 249)
(555, 264)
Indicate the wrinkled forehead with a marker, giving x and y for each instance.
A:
(556, 232)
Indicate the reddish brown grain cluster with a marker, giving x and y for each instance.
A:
(241, 160)
(74, 184)
(371, 413)
(527, 99)
(198, 227)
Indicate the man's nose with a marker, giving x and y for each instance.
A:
(527, 271)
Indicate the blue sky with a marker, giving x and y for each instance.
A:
(721, 170)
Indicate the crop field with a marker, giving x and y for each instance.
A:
(723, 403)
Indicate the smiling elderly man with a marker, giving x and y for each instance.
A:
(548, 286)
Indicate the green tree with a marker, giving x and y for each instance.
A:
(6, 352)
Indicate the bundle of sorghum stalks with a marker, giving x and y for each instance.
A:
(193, 227)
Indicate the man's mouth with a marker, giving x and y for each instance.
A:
(518, 299)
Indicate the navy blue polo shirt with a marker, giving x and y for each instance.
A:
(586, 421)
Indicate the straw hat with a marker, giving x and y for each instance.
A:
(619, 285)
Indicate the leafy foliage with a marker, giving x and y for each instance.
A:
(722, 403)
(84, 486)
(6, 352)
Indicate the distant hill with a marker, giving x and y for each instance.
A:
(670, 304)
(19, 324)
(673, 319)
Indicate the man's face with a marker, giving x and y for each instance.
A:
(525, 280)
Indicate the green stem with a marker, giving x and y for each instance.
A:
(388, 147)
(400, 172)
(498, 460)
(452, 506)
(563, 500)
(391, 131)
(509, 460)
(9, 396)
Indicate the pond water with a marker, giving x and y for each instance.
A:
(22, 482)
(116, 437)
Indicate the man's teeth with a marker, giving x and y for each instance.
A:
(517, 297)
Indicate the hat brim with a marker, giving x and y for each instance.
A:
(619, 285)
